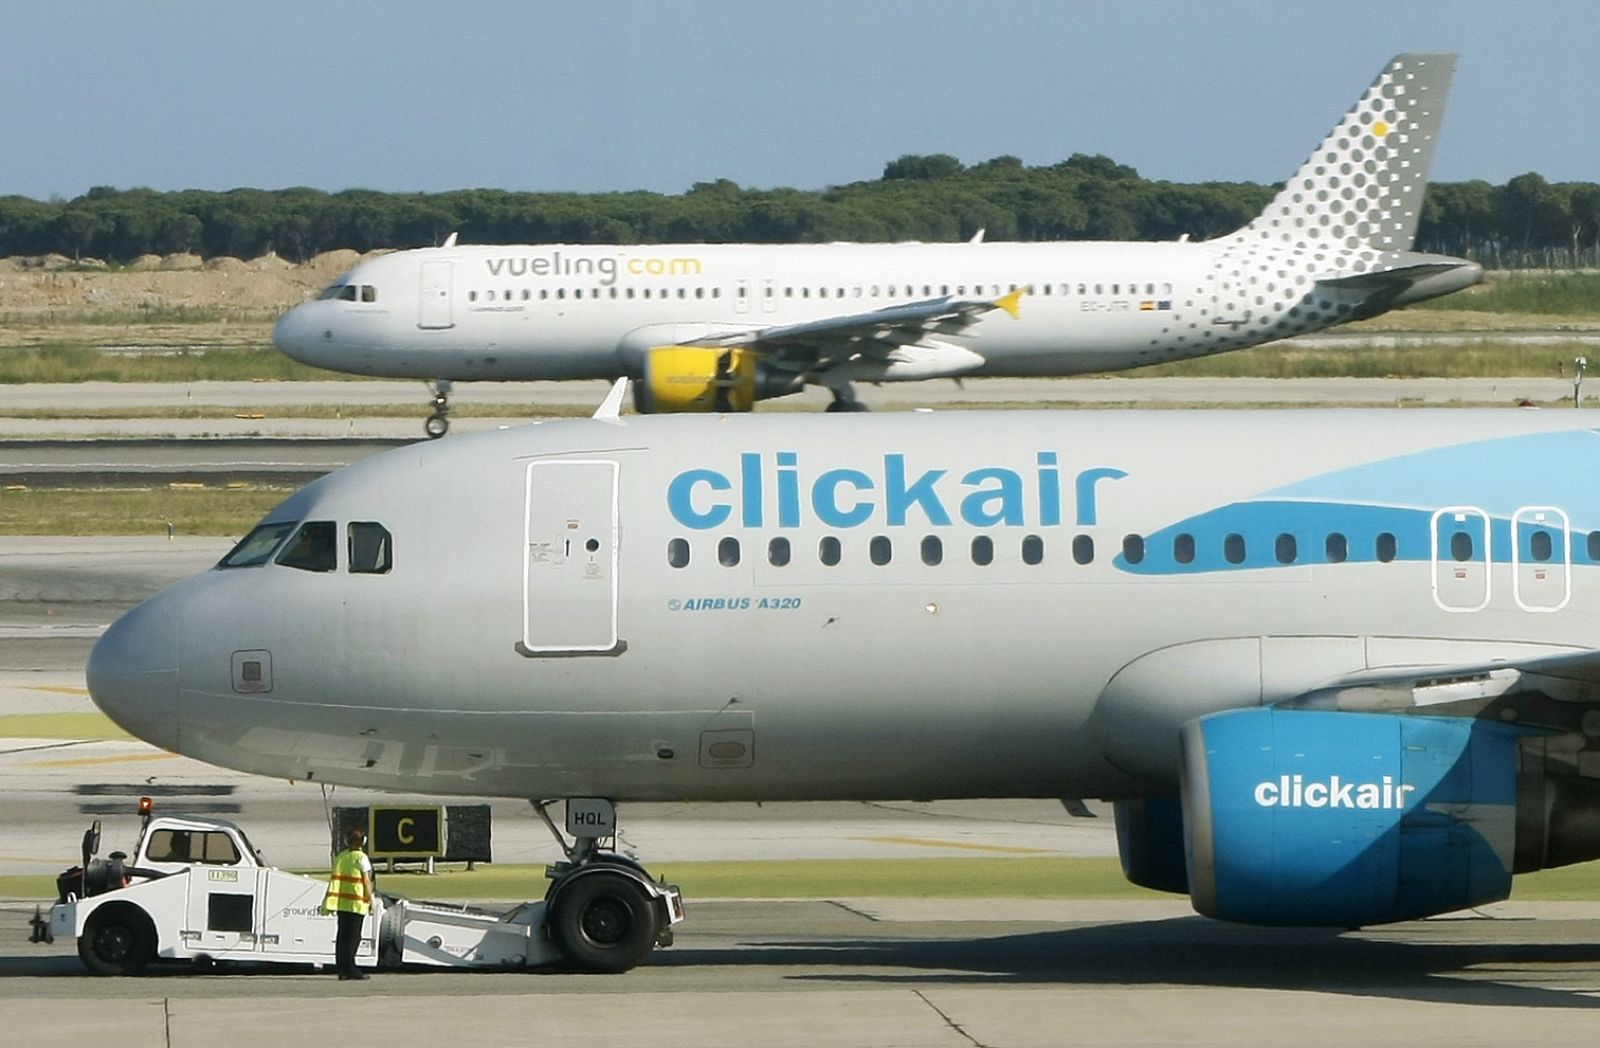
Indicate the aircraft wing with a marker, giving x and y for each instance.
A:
(817, 345)
(1553, 692)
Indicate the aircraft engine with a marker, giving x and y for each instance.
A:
(707, 378)
(1337, 819)
(1341, 819)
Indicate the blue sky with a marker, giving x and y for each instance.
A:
(630, 95)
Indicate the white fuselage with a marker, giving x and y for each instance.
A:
(569, 312)
(922, 605)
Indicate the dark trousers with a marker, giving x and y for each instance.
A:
(344, 951)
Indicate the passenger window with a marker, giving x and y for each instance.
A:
(1083, 549)
(932, 550)
(257, 547)
(778, 552)
(1337, 548)
(1032, 549)
(983, 551)
(1460, 546)
(728, 552)
(678, 553)
(1233, 548)
(1540, 546)
(1286, 549)
(313, 548)
(828, 550)
(880, 549)
(1133, 548)
(1385, 547)
(370, 548)
(1183, 549)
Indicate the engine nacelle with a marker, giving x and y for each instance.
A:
(1337, 819)
(708, 378)
(1150, 843)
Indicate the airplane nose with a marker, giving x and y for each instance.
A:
(133, 673)
(294, 336)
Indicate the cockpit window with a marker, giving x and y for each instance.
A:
(257, 547)
(371, 548)
(349, 292)
(313, 548)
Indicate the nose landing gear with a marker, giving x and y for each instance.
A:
(605, 913)
(438, 423)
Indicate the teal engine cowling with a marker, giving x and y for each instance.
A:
(1346, 819)
(1343, 819)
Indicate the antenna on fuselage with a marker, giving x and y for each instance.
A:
(450, 241)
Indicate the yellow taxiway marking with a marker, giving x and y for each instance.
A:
(78, 762)
(57, 689)
(925, 842)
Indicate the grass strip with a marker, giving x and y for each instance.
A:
(1088, 879)
(88, 727)
(218, 512)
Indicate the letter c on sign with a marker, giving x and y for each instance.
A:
(1266, 794)
(402, 830)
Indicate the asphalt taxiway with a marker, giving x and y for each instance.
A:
(858, 972)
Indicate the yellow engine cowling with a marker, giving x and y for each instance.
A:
(700, 378)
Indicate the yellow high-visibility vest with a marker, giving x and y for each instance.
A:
(347, 889)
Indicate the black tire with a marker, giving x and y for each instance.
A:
(436, 426)
(116, 941)
(603, 922)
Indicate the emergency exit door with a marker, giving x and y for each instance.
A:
(1461, 558)
(570, 558)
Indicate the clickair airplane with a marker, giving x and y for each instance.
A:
(1333, 668)
(717, 327)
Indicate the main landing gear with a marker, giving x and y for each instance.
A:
(603, 911)
(844, 399)
(438, 423)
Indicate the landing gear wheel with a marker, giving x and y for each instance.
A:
(603, 922)
(845, 405)
(115, 943)
(436, 426)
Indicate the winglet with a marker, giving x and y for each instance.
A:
(1011, 303)
(611, 407)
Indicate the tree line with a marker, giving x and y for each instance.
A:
(1528, 221)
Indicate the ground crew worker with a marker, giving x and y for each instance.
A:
(350, 899)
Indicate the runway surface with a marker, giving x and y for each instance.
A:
(858, 972)
(520, 400)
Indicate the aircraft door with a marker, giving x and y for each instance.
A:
(433, 308)
(570, 558)
(1461, 558)
(1541, 568)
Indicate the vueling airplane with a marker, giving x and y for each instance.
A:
(706, 327)
(1333, 667)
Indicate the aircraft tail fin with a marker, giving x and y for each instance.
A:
(1364, 185)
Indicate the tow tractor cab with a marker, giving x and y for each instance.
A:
(197, 891)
